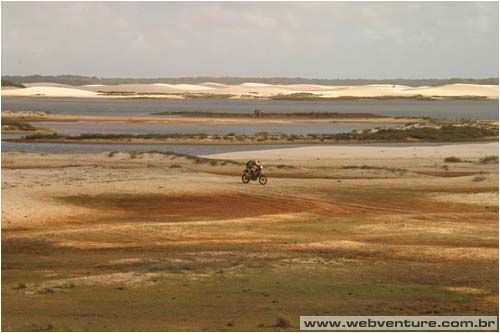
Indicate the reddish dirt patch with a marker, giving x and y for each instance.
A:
(186, 207)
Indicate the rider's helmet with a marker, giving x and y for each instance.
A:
(257, 162)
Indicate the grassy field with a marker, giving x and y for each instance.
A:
(149, 241)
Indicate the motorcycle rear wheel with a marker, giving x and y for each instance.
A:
(245, 179)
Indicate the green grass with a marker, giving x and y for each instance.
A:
(256, 298)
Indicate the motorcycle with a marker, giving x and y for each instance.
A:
(250, 175)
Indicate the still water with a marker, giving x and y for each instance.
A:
(441, 109)
(61, 148)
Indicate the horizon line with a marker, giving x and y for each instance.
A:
(247, 77)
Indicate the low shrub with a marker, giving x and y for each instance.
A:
(489, 159)
(478, 178)
(452, 159)
(282, 323)
(17, 125)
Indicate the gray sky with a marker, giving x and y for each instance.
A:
(315, 40)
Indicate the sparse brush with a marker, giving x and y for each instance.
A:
(206, 96)
(452, 159)
(134, 154)
(17, 125)
(441, 133)
(370, 167)
(478, 178)
(284, 166)
(43, 136)
(489, 159)
(282, 322)
(20, 286)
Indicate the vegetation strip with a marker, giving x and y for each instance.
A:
(445, 133)
(83, 80)
(268, 115)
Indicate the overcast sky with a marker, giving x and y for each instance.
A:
(314, 40)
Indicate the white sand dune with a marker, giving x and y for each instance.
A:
(46, 91)
(307, 87)
(185, 87)
(489, 91)
(362, 91)
(255, 84)
(213, 85)
(466, 150)
(138, 88)
(192, 87)
(262, 90)
(10, 88)
(162, 85)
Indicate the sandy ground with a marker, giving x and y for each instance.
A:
(472, 150)
(48, 91)
(116, 241)
(255, 90)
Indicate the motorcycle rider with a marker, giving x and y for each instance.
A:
(254, 167)
(257, 167)
(249, 166)
(253, 171)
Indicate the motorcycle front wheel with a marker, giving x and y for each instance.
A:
(262, 180)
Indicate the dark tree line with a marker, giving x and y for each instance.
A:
(76, 80)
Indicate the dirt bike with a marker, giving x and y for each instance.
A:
(248, 175)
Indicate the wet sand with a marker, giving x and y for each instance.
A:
(463, 150)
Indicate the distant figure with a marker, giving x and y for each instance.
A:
(258, 113)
